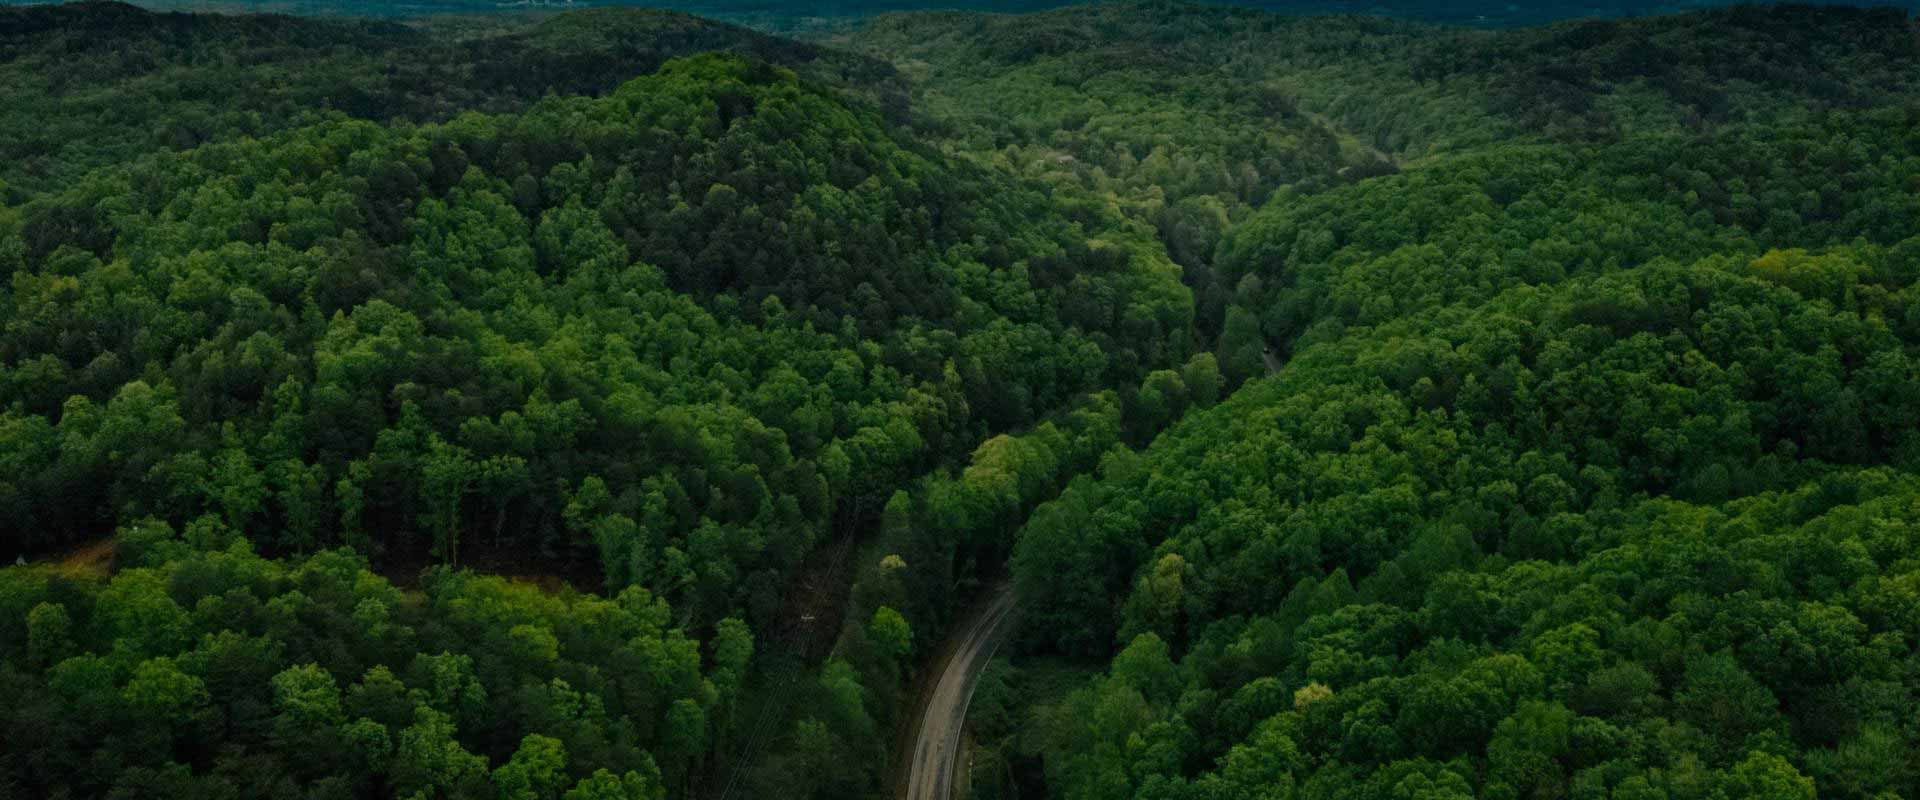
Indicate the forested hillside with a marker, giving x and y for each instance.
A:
(1640, 533)
(685, 333)
(203, 670)
(619, 404)
(1587, 471)
(1190, 116)
(97, 83)
(365, 301)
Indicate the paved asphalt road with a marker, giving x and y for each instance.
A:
(936, 748)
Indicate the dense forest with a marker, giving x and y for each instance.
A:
(1550, 496)
(622, 404)
(97, 84)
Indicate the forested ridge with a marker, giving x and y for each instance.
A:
(1362, 409)
(1550, 496)
(99, 83)
(684, 333)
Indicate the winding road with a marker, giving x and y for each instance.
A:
(934, 763)
(933, 766)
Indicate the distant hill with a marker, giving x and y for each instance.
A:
(105, 81)
(787, 16)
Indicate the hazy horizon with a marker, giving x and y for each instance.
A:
(779, 15)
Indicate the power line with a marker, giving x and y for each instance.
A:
(767, 710)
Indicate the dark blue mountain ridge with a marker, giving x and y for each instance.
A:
(776, 15)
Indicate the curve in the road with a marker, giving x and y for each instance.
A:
(934, 762)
